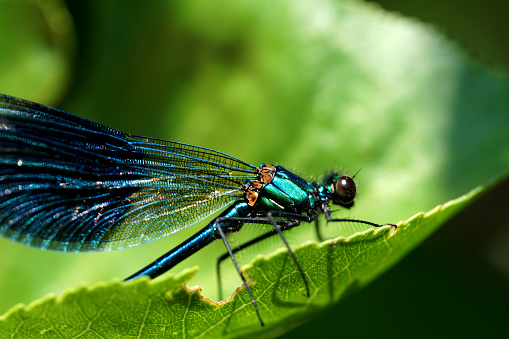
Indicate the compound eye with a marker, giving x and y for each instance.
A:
(345, 190)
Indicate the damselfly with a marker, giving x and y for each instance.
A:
(69, 184)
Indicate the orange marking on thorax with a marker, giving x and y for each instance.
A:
(265, 176)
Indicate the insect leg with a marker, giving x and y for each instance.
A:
(280, 232)
(319, 235)
(285, 225)
(328, 217)
(232, 256)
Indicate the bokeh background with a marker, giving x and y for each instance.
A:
(456, 283)
(102, 60)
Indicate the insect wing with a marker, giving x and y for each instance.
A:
(70, 184)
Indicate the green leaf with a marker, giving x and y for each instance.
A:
(167, 308)
(312, 86)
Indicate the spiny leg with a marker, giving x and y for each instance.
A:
(280, 232)
(362, 222)
(285, 225)
(232, 256)
(319, 235)
(328, 218)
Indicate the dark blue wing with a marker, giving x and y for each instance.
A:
(69, 184)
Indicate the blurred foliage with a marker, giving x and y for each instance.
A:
(309, 85)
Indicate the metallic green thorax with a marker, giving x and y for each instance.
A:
(288, 192)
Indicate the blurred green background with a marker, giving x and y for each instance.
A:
(137, 68)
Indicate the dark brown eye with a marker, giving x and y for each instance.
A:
(345, 190)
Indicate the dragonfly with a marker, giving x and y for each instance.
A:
(73, 185)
